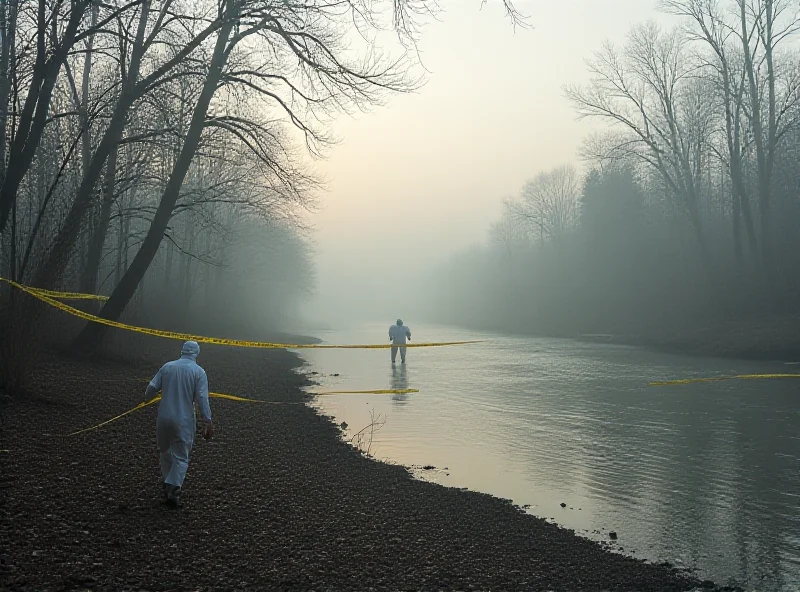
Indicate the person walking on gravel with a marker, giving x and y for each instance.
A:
(182, 384)
(397, 335)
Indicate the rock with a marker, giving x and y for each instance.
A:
(612, 535)
(563, 505)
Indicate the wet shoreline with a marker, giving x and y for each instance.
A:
(276, 501)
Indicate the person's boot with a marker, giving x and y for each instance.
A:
(174, 496)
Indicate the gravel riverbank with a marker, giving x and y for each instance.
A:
(275, 502)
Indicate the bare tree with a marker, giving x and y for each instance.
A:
(509, 234)
(53, 46)
(304, 33)
(148, 133)
(774, 22)
(652, 92)
(549, 204)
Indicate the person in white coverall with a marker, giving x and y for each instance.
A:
(182, 384)
(397, 335)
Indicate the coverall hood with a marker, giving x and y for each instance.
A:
(399, 322)
(190, 350)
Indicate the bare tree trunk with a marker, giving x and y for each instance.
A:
(739, 195)
(93, 332)
(120, 248)
(167, 284)
(89, 278)
(127, 242)
(188, 284)
(140, 292)
(737, 225)
(772, 132)
(37, 103)
(98, 236)
(8, 27)
(12, 255)
(86, 151)
(65, 241)
(758, 136)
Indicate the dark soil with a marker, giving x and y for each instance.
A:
(275, 502)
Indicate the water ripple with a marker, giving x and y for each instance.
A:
(707, 475)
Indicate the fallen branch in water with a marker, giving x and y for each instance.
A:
(362, 439)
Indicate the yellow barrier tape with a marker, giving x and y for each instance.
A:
(214, 340)
(56, 294)
(69, 295)
(157, 398)
(721, 378)
(99, 425)
(235, 398)
(376, 392)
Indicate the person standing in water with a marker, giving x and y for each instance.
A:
(398, 334)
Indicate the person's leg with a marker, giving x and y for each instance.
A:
(394, 353)
(179, 451)
(163, 438)
(402, 355)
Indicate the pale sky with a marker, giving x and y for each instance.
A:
(423, 176)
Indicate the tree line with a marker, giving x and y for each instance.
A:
(687, 213)
(157, 151)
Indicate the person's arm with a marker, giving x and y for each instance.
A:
(408, 333)
(390, 334)
(201, 398)
(155, 385)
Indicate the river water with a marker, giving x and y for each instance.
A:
(705, 476)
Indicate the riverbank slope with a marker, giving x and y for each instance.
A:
(275, 502)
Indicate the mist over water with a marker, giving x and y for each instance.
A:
(703, 476)
(665, 217)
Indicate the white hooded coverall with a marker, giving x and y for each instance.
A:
(398, 334)
(182, 383)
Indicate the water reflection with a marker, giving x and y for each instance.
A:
(701, 475)
(399, 381)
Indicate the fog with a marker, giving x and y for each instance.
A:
(416, 180)
(521, 190)
(613, 166)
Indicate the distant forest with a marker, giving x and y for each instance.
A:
(684, 229)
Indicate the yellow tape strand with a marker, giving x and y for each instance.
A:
(99, 425)
(721, 378)
(69, 295)
(235, 398)
(375, 392)
(157, 398)
(214, 340)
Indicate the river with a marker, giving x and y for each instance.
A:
(705, 476)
